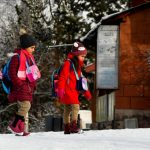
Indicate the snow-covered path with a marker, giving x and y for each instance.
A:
(125, 139)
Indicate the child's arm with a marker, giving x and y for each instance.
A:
(87, 95)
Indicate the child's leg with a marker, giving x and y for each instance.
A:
(26, 129)
(23, 108)
(75, 111)
(73, 125)
(66, 118)
(66, 114)
(18, 124)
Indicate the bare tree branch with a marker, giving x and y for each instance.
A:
(6, 109)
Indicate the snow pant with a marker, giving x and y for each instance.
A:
(70, 113)
(23, 109)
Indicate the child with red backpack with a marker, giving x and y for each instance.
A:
(22, 86)
(68, 89)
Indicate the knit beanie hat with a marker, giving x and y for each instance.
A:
(26, 41)
(78, 49)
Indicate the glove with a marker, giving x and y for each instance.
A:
(87, 95)
(61, 93)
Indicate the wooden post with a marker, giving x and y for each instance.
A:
(93, 102)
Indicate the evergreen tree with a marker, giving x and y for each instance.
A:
(32, 16)
(68, 22)
(96, 9)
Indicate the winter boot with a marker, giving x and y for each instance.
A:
(26, 133)
(67, 128)
(17, 127)
(74, 128)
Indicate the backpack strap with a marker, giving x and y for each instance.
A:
(27, 63)
(76, 74)
(77, 77)
(71, 66)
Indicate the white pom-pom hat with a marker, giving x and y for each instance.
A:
(78, 49)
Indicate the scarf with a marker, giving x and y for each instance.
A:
(24, 55)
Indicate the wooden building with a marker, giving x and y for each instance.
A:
(125, 103)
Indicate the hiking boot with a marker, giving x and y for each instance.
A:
(74, 128)
(17, 127)
(67, 128)
(16, 130)
(26, 133)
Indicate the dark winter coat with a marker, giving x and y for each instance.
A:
(67, 82)
(21, 90)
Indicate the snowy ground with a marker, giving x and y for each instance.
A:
(125, 139)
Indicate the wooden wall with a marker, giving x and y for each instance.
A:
(134, 62)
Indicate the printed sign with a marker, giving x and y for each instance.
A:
(107, 57)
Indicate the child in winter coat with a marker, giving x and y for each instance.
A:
(67, 91)
(22, 89)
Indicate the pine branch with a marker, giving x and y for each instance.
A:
(50, 7)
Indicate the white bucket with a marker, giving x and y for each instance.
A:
(86, 119)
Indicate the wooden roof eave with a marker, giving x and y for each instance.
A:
(115, 20)
(119, 17)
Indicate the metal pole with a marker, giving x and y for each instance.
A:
(62, 45)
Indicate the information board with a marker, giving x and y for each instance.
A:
(107, 57)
